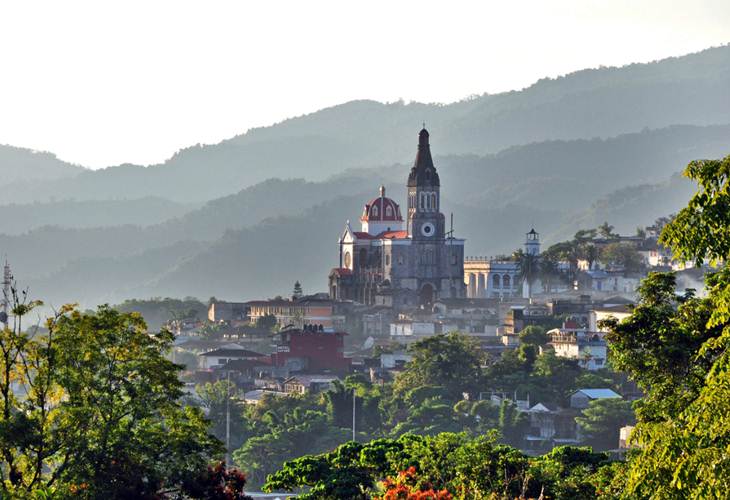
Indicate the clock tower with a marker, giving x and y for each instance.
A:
(425, 220)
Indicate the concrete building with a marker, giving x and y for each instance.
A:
(499, 277)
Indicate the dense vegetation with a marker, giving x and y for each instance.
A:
(90, 408)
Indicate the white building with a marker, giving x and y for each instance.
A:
(589, 348)
(499, 278)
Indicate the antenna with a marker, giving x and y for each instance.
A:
(7, 282)
(450, 233)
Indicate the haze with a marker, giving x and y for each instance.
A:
(101, 84)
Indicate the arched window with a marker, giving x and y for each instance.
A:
(387, 259)
(433, 201)
(422, 201)
(506, 280)
(495, 281)
(428, 201)
(388, 211)
(374, 211)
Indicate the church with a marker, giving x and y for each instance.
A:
(399, 263)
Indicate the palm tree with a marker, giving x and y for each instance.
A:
(529, 269)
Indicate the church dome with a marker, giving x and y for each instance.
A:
(381, 209)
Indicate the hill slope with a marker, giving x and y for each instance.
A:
(592, 103)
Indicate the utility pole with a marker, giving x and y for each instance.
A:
(353, 413)
(228, 419)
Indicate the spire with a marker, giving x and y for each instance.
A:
(423, 171)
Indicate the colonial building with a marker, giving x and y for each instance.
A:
(498, 278)
(399, 263)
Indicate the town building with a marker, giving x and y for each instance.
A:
(219, 357)
(499, 277)
(313, 310)
(311, 351)
(227, 312)
(576, 342)
(401, 263)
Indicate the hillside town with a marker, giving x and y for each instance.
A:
(402, 279)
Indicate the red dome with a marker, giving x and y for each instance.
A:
(381, 209)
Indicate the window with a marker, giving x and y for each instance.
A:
(387, 259)
(388, 211)
(374, 211)
(496, 281)
(428, 201)
(506, 281)
(433, 201)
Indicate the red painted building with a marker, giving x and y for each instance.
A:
(311, 351)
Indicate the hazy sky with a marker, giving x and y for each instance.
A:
(101, 83)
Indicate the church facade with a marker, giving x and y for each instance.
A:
(396, 262)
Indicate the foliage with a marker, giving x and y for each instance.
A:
(212, 397)
(442, 466)
(676, 347)
(601, 421)
(157, 311)
(623, 255)
(451, 361)
(99, 412)
(266, 322)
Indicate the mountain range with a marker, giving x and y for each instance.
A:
(247, 217)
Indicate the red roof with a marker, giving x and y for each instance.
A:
(385, 235)
(342, 271)
(393, 235)
(381, 209)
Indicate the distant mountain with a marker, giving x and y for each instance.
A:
(21, 218)
(690, 90)
(23, 165)
(631, 207)
(256, 242)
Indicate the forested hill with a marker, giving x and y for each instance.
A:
(252, 243)
(592, 103)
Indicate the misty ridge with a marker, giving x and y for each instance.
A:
(596, 145)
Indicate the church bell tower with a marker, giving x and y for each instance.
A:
(425, 220)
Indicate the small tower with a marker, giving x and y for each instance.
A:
(532, 242)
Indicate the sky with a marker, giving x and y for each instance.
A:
(105, 83)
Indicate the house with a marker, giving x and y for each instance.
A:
(306, 384)
(311, 310)
(588, 347)
(227, 312)
(218, 357)
(582, 397)
(310, 350)
(599, 314)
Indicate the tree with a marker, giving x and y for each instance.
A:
(266, 322)
(601, 421)
(212, 397)
(529, 266)
(451, 361)
(297, 293)
(534, 335)
(623, 255)
(605, 230)
(101, 411)
(676, 347)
